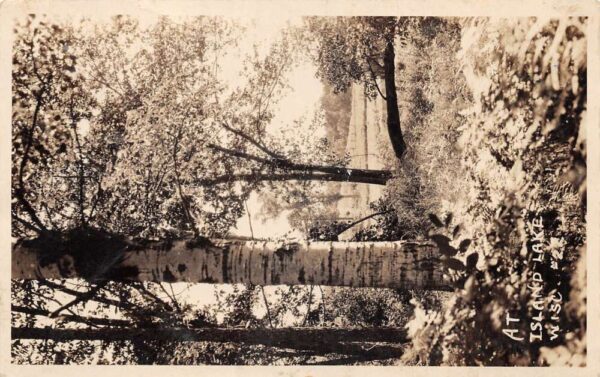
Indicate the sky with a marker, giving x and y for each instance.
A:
(302, 99)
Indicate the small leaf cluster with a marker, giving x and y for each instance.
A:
(448, 251)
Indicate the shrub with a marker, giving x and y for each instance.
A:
(522, 146)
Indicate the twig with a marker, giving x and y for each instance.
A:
(363, 219)
(172, 298)
(249, 220)
(92, 321)
(124, 305)
(26, 224)
(84, 297)
(81, 175)
(184, 203)
(262, 289)
(252, 141)
(142, 289)
(310, 294)
(322, 301)
(374, 77)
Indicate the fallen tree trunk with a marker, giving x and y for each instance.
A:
(319, 340)
(399, 264)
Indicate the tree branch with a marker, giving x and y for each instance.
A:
(376, 178)
(322, 301)
(374, 77)
(249, 219)
(20, 191)
(92, 321)
(104, 300)
(292, 166)
(172, 298)
(142, 289)
(310, 294)
(80, 298)
(262, 289)
(81, 175)
(184, 203)
(26, 223)
(252, 141)
(363, 219)
(323, 340)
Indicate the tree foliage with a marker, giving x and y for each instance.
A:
(134, 130)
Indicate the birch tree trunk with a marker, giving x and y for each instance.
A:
(400, 264)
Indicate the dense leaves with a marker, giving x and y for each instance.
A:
(520, 138)
(132, 129)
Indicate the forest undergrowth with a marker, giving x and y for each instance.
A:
(496, 125)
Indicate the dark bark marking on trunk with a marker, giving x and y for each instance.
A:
(225, 263)
(301, 276)
(330, 264)
(204, 271)
(168, 275)
(265, 267)
(248, 266)
(286, 251)
(275, 269)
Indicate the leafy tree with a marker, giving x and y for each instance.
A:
(163, 146)
(360, 49)
(124, 135)
(50, 101)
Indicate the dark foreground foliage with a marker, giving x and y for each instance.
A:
(522, 152)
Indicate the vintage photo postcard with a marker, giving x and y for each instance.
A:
(208, 187)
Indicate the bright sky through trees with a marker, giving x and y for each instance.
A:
(302, 99)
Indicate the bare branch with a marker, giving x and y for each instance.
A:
(92, 321)
(82, 297)
(133, 308)
(20, 190)
(267, 306)
(249, 219)
(322, 301)
(184, 203)
(172, 298)
(310, 294)
(252, 141)
(374, 78)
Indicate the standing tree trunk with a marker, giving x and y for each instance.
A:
(391, 100)
(399, 264)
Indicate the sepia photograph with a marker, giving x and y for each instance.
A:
(298, 190)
